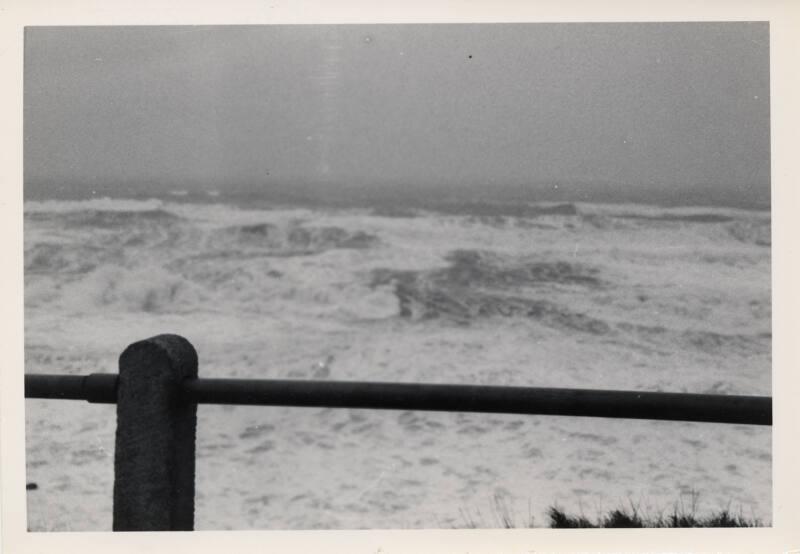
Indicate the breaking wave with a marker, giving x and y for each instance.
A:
(159, 257)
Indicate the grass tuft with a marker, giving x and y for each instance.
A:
(683, 515)
(622, 518)
(560, 520)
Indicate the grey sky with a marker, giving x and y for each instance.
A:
(646, 105)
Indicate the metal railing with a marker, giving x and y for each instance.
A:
(157, 392)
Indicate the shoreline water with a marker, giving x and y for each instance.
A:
(570, 295)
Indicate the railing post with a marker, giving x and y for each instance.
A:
(154, 456)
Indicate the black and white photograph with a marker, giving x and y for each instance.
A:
(398, 276)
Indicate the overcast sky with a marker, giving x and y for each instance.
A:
(648, 105)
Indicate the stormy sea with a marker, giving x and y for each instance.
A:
(579, 295)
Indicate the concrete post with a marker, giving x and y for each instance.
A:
(154, 458)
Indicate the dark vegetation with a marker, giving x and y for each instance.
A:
(681, 516)
(630, 518)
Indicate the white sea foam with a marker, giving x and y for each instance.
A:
(104, 203)
(632, 297)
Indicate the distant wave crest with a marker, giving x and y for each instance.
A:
(295, 239)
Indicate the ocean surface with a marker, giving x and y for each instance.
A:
(605, 296)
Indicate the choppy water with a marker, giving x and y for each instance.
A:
(597, 296)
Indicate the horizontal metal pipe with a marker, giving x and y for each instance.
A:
(487, 399)
(752, 410)
(67, 387)
(96, 387)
